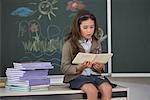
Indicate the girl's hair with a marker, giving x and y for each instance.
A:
(75, 35)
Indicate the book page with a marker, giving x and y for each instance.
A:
(81, 57)
(103, 58)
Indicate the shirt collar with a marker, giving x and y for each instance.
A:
(83, 40)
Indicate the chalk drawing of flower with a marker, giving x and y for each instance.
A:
(75, 5)
(34, 27)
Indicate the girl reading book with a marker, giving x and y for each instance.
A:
(84, 37)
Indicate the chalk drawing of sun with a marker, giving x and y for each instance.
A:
(46, 8)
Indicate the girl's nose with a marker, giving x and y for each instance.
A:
(89, 29)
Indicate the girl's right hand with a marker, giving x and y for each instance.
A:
(86, 64)
(82, 66)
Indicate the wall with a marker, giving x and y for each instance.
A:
(130, 36)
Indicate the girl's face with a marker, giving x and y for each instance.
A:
(87, 28)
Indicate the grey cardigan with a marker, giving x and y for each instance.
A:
(67, 67)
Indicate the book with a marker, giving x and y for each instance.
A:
(30, 82)
(17, 88)
(39, 86)
(27, 88)
(16, 78)
(25, 73)
(101, 58)
(2, 82)
(33, 65)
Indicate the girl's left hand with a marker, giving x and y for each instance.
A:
(98, 66)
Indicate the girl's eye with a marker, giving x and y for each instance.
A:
(92, 27)
(85, 27)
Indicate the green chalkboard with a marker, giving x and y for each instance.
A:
(33, 30)
(131, 36)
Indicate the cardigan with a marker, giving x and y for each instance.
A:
(67, 67)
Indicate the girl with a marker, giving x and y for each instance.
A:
(84, 37)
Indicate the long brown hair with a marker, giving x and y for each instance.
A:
(75, 34)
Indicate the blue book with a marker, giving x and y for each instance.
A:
(33, 82)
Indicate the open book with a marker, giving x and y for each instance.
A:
(101, 58)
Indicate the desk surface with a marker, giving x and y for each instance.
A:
(55, 89)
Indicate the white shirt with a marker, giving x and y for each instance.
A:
(86, 44)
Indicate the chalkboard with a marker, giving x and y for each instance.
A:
(33, 30)
(131, 36)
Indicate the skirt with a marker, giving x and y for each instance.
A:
(94, 79)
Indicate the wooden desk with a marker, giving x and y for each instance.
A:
(58, 92)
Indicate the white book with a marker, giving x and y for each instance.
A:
(40, 89)
(23, 87)
(18, 84)
(32, 65)
(101, 58)
(39, 86)
(18, 88)
(23, 82)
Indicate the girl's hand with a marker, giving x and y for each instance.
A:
(98, 66)
(82, 66)
(86, 64)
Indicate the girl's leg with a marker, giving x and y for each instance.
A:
(106, 91)
(90, 90)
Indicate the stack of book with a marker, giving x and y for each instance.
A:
(32, 76)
